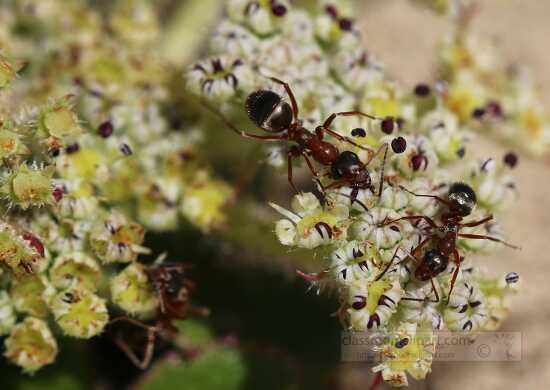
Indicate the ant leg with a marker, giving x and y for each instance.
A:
(289, 173)
(455, 274)
(389, 265)
(426, 299)
(385, 146)
(313, 170)
(242, 133)
(439, 199)
(315, 277)
(337, 184)
(144, 362)
(435, 291)
(290, 95)
(416, 250)
(412, 217)
(481, 237)
(377, 381)
(353, 198)
(476, 223)
(321, 129)
(333, 116)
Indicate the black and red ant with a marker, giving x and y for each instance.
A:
(173, 291)
(460, 202)
(268, 110)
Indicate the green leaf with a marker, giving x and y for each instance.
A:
(218, 369)
(193, 334)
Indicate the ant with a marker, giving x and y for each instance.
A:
(460, 202)
(271, 113)
(173, 291)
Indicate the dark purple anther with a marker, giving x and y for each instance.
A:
(279, 10)
(105, 129)
(331, 10)
(125, 149)
(72, 148)
(399, 145)
(511, 159)
(346, 24)
(422, 90)
(387, 125)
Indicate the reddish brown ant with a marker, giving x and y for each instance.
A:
(173, 291)
(461, 200)
(267, 110)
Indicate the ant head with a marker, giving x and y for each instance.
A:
(169, 280)
(347, 165)
(462, 199)
(269, 111)
(432, 265)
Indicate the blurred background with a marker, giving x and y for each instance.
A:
(285, 336)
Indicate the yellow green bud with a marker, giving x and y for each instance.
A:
(7, 313)
(116, 239)
(29, 186)
(132, 291)
(60, 121)
(31, 293)
(79, 312)
(7, 72)
(203, 203)
(31, 345)
(75, 268)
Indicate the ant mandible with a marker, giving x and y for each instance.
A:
(173, 291)
(267, 110)
(460, 202)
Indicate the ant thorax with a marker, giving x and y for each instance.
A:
(450, 227)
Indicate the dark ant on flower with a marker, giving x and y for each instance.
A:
(173, 291)
(460, 202)
(268, 110)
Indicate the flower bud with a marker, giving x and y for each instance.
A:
(7, 313)
(79, 312)
(31, 294)
(115, 239)
(29, 186)
(203, 203)
(132, 291)
(75, 268)
(31, 345)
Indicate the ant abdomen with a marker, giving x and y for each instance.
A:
(269, 111)
(432, 265)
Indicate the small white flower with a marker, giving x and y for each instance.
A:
(369, 226)
(370, 304)
(419, 159)
(310, 225)
(406, 351)
(467, 309)
(219, 77)
(353, 262)
(495, 189)
(423, 307)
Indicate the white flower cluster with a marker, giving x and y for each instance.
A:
(393, 255)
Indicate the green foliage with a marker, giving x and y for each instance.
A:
(221, 368)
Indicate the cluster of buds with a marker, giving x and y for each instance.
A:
(89, 159)
(486, 92)
(380, 244)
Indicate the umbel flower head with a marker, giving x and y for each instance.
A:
(391, 243)
(92, 153)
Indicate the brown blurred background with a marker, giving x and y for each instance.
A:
(404, 37)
